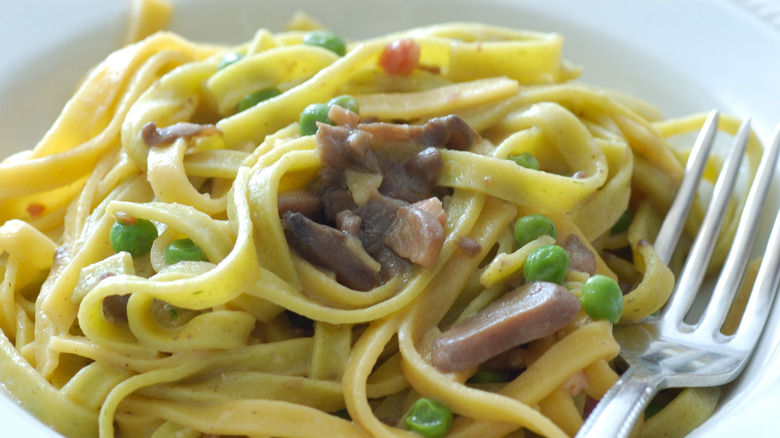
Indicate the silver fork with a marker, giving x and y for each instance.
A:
(666, 351)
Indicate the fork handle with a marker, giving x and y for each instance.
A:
(618, 411)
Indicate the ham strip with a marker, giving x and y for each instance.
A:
(416, 235)
(376, 185)
(327, 247)
(530, 312)
(154, 136)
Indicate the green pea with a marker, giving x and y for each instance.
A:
(134, 237)
(429, 418)
(316, 112)
(526, 160)
(531, 226)
(548, 263)
(253, 99)
(229, 58)
(183, 249)
(623, 222)
(326, 39)
(602, 298)
(345, 101)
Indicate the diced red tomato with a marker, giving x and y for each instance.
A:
(400, 57)
(35, 209)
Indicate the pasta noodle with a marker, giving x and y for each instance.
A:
(256, 339)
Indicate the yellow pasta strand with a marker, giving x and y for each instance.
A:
(248, 335)
(687, 411)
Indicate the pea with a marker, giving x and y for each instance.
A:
(345, 101)
(531, 226)
(253, 99)
(526, 160)
(548, 263)
(429, 418)
(326, 39)
(135, 237)
(623, 222)
(316, 112)
(229, 58)
(602, 298)
(183, 249)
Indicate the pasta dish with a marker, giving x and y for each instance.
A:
(431, 232)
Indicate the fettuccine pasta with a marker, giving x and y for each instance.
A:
(267, 336)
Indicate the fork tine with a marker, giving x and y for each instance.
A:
(670, 230)
(693, 272)
(733, 269)
(765, 286)
(664, 353)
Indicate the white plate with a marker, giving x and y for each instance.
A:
(684, 56)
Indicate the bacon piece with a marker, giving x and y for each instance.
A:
(433, 206)
(413, 179)
(349, 223)
(449, 132)
(416, 235)
(468, 245)
(327, 247)
(400, 221)
(343, 117)
(530, 312)
(337, 200)
(377, 217)
(154, 136)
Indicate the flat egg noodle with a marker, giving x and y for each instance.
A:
(170, 182)
(259, 120)
(267, 69)
(174, 98)
(89, 123)
(212, 347)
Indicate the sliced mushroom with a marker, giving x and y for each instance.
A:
(530, 312)
(329, 248)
